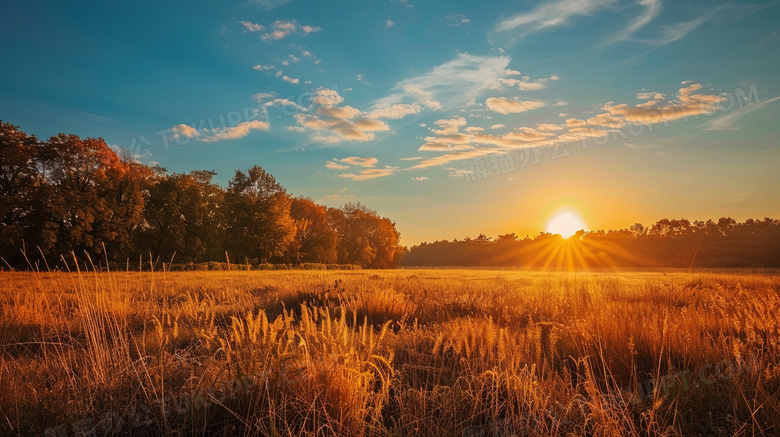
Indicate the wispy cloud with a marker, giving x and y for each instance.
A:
(269, 4)
(651, 10)
(668, 33)
(454, 20)
(451, 84)
(550, 15)
(727, 121)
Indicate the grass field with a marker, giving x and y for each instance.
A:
(401, 352)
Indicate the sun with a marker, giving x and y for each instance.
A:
(565, 224)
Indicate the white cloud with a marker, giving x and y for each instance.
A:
(337, 129)
(668, 33)
(261, 97)
(185, 130)
(220, 133)
(370, 173)
(454, 20)
(453, 83)
(673, 32)
(251, 27)
(526, 84)
(497, 126)
(291, 80)
(283, 28)
(327, 97)
(449, 126)
(390, 23)
(455, 141)
(503, 105)
(263, 67)
(458, 173)
(335, 166)
(651, 10)
(269, 4)
(334, 123)
(421, 178)
(458, 155)
(551, 14)
(286, 103)
(411, 158)
(238, 131)
(345, 112)
(649, 96)
(727, 121)
(687, 104)
(361, 162)
(395, 112)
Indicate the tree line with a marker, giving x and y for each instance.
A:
(69, 195)
(667, 243)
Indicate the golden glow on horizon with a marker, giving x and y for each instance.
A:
(565, 224)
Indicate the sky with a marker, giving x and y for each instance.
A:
(453, 118)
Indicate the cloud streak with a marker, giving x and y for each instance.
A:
(727, 121)
(451, 84)
(550, 15)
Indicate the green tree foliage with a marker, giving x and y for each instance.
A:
(20, 191)
(182, 216)
(69, 194)
(259, 225)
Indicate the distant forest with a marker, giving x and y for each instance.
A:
(667, 243)
(71, 196)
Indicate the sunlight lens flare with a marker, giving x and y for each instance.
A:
(565, 224)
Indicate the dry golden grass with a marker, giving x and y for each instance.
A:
(403, 352)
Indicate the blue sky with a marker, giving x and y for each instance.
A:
(452, 118)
